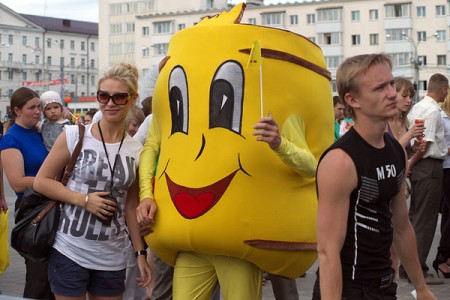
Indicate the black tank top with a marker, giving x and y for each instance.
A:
(366, 250)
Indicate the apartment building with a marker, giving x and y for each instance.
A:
(45, 53)
(414, 32)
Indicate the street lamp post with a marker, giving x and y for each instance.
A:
(416, 63)
(61, 66)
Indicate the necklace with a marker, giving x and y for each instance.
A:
(112, 169)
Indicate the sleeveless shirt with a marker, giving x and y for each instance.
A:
(366, 250)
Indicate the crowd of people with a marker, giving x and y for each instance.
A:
(367, 235)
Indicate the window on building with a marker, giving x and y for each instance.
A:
(72, 45)
(356, 39)
(36, 59)
(442, 60)
(181, 26)
(441, 35)
(145, 52)
(421, 36)
(37, 41)
(329, 15)
(92, 63)
(401, 59)
(93, 81)
(83, 79)
(61, 44)
(332, 38)
(72, 78)
(333, 61)
(398, 10)
(49, 60)
(145, 31)
(49, 43)
(373, 14)
(115, 28)
(421, 11)
(374, 39)
(10, 39)
(116, 9)
(10, 57)
(130, 27)
(92, 46)
(422, 60)
(24, 40)
(129, 47)
(162, 27)
(24, 75)
(310, 18)
(10, 75)
(83, 62)
(272, 19)
(160, 49)
(293, 19)
(72, 61)
(24, 58)
(355, 16)
(252, 21)
(397, 34)
(440, 10)
(83, 46)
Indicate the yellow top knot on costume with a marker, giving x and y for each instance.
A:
(234, 16)
(218, 190)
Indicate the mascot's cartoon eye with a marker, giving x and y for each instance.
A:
(178, 100)
(226, 97)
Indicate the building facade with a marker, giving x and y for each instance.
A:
(45, 53)
(415, 33)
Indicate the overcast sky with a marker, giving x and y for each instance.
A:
(82, 10)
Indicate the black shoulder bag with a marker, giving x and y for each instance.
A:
(37, 218)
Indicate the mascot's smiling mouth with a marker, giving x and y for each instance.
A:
(191, 203)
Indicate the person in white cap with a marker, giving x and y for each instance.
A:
(53, 123)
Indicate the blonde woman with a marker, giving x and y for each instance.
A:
(89, 250)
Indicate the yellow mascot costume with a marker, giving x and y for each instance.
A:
(218, 190)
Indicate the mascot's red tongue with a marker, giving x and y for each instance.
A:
(193, 206)
(191, 203)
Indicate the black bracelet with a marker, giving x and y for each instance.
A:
(140, 252)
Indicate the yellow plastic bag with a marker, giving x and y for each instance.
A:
(4, 245)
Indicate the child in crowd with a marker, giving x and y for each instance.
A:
(53, 123)
(133, 120)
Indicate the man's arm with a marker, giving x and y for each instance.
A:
(405, 244)
(334, 200)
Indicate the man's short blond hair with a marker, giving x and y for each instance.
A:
(351, 69)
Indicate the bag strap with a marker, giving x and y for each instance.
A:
(73, 159)
(67, 174)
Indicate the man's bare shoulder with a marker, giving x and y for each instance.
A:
(338, 168)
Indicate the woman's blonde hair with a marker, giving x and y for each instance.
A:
(124, 72)
(445, 106)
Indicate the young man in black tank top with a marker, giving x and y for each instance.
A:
(363, 210)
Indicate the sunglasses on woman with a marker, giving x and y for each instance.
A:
(117, 98)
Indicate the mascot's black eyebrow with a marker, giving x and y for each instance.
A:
(276, 54)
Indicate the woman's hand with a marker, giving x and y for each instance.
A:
(416, 131)
(145, 271)
(100, 205)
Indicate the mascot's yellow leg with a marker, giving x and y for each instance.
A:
(196, 274)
